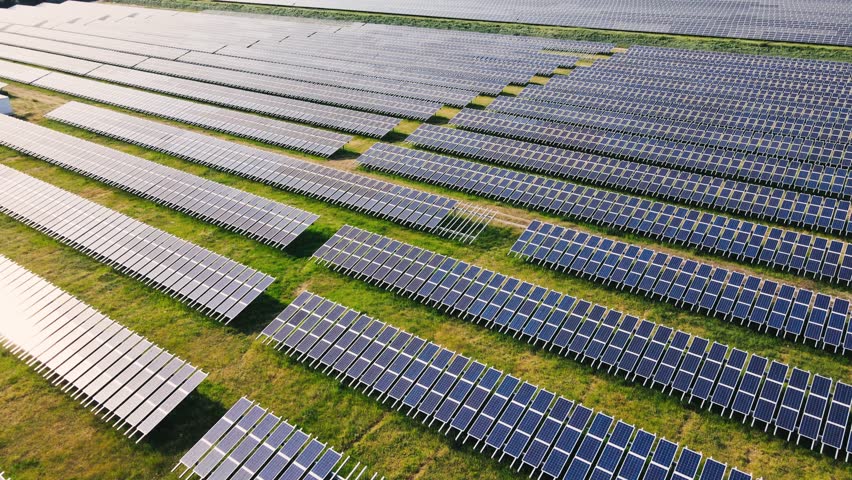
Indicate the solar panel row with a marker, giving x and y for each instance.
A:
(224, 95)
(199, 76)
(399, 87)
(661, 78)
(711, 79)
(823, 88)
(314, 75)
(211, 283)
(750, 300)
(759, 62)
(78, 51)
(653, 354)
(417, 209)
(272, 60)
(249, 442)
(526, 425)
(130, 381)
(800, 253)
(256, 217)
(742, 115)
(705, 191)
(824, 22)
(637, 147)
(265, 130)
(56, 62)
(146, 50)
(678, 134)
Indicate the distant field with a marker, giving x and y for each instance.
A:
(45, 434)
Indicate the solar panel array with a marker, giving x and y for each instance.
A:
(740, 197)
(213, 284)
(654, 354)
(128, 380)
(238, 98)
(800, 253)
(417, 209)
(250, 442)
(266, 130)
(238, 61)
(256, 217)
(520, 423)
(821, 22)
(763, 304)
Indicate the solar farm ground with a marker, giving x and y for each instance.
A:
(45, 434)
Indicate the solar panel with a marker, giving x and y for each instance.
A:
(811, 421)
(490, 182)
(729, 379)
(527, 426)
(692, 285)
(662, 460)
(513, 418)
(639, 348)
(613, 451)
(77, 347)
(589, 447)
(787, 417)
(546, 434)
(567, 441)
(687, 465)
(247, 437)
(637, 457)
(409, 207)
(209, 282)
(493, 408)
(837, 418)
(713, 470)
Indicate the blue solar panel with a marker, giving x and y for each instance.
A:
(791, 404)
(520, 438)
(662, 460)
(671, 359)
(619, 340)
(564, 447)
(689, 368)
(709, 372)
(727, 385)
(636, 347)
(636, 458)
(747, 392)
(442, 385)
(833, 335)
(459, 392)
(486, 418)
(815, 406)
(770, 394)
(738, 475)
(687, 465)
(507, 421)
(713, 470)
(837, 418)
(475, 400)
(652, 355)
(589, 447)
(547, 433)
(610, 457)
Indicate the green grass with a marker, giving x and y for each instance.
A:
(619, 38)
(46, 435)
